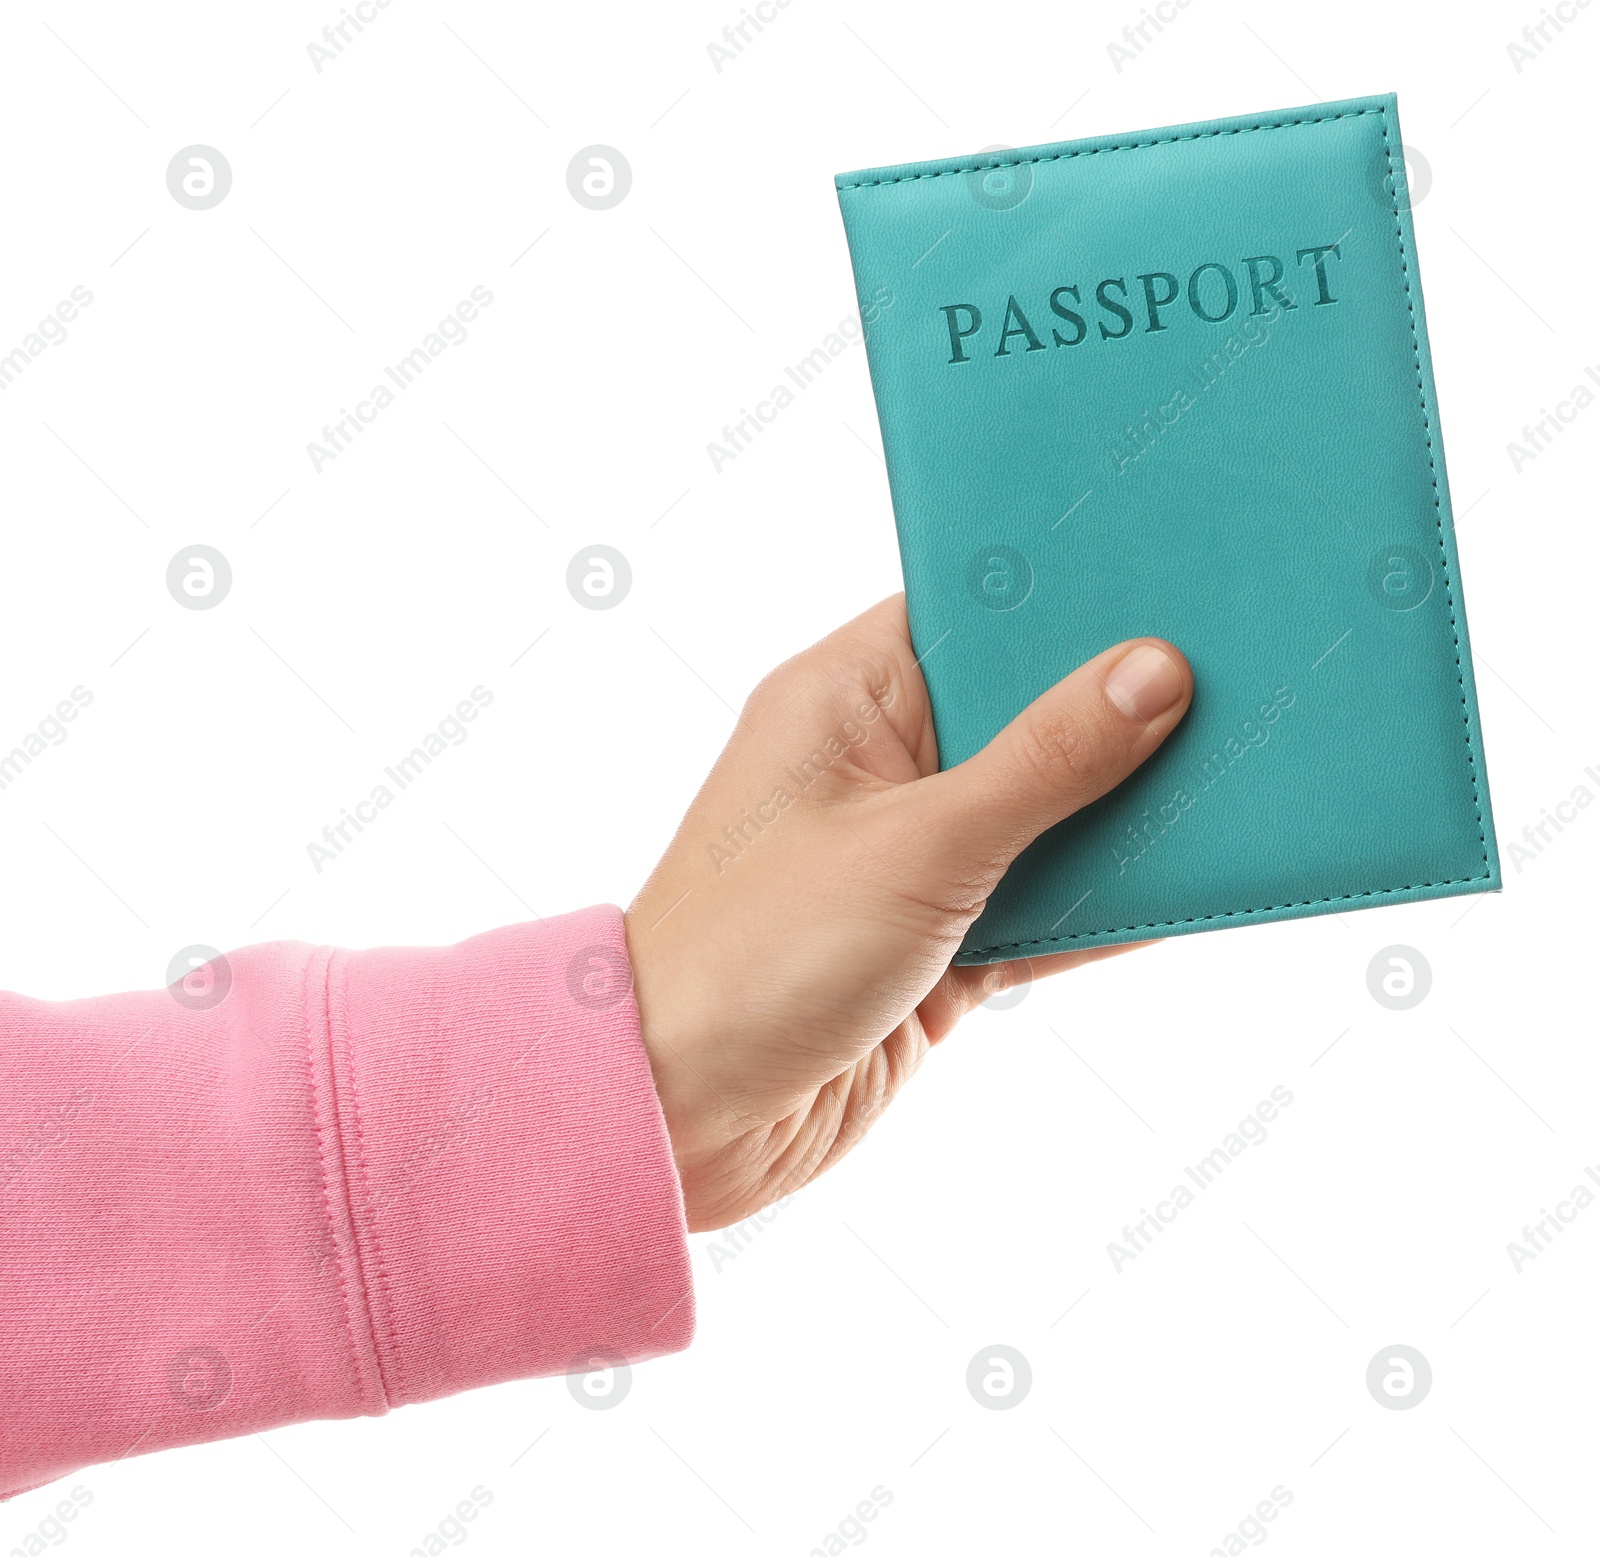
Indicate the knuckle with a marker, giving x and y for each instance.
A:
(772, 701)
(1074, 750)
(767, 691)
(959, 896)
(919, 879)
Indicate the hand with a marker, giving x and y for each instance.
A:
(791, 952)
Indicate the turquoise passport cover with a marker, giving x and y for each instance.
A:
(1177, 383)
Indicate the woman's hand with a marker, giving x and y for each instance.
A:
(791, 952)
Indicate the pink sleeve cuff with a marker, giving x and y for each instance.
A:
(357, 1180)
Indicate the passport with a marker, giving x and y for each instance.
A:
(1177, 383)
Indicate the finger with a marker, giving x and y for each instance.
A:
(995, 978)
(961, 990)
(853, 700)
(1067, 748)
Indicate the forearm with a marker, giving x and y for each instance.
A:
(357, 1180)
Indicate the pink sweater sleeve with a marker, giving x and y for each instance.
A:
(319, 1183)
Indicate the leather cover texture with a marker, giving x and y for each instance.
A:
(1177, 383)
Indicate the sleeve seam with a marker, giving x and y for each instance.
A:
(346, 1245)
(369, 1250)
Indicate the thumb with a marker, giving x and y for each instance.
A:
(1068, 747)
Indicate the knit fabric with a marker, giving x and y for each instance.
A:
(354, 1181)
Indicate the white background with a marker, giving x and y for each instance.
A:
(367, 200)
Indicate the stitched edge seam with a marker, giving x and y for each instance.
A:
(1433, 470)
(1438, 504)
(367, 1188)
(1227, 913)
(1095, 151)
(322, 1150)
(354, 1160)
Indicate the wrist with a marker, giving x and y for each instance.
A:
(665, 1027)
